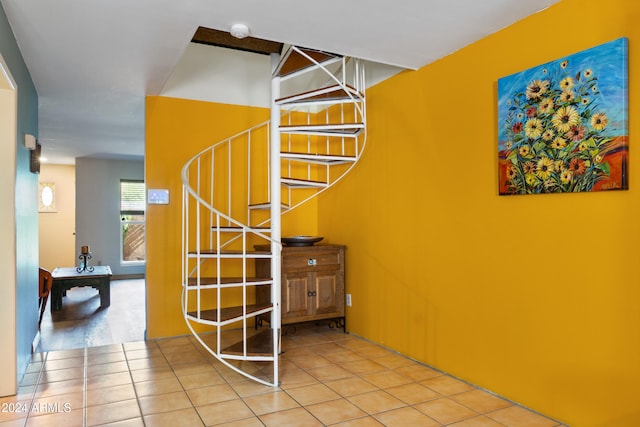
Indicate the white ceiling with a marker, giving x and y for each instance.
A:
(93, 62)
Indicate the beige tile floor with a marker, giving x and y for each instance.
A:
(328, 378)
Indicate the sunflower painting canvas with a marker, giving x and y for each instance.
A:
(562, 126)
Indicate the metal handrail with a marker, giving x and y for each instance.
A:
(215, 216)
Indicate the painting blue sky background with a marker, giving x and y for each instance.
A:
(608, 63)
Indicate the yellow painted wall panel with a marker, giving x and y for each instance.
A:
(57, 229)
(176, 130)
(535, 298)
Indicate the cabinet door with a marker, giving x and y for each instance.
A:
(326, 293)
(295, 296)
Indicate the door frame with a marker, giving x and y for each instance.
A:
(8, 262)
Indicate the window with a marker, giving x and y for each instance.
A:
(132, 205)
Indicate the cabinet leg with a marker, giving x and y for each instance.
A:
(258, 322)
(340, 322)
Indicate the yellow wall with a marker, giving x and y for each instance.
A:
(176, 130)
(57, 229)
(536, 298)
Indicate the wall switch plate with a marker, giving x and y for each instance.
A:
(158, 196)
(348, 300)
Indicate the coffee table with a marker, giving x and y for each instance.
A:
(65, 278)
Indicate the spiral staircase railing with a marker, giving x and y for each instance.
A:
(228, 207)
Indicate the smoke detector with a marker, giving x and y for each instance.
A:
(239, 31)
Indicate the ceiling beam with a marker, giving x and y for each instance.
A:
(218, 38)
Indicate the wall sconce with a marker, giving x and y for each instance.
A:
(34, 165)
(47, 202)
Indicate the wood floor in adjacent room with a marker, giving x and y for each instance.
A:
(82, 323)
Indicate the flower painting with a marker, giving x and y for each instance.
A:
(562, 126)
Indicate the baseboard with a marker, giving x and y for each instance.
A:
(127, 276)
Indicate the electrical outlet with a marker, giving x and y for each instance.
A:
(348, 300)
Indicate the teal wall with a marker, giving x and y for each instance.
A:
(26, 198)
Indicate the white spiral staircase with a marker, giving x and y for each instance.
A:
(235, 192)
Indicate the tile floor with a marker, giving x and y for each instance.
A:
(328, 378)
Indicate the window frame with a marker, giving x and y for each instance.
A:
(132, 212)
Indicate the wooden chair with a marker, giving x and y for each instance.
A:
(46, 281)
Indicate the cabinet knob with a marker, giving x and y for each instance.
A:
(312, 261)
(312, 293)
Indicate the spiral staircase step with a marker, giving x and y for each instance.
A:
(228, 254)
(324, 159)
(295, 61)
(302, 183)
(228, 282)
(331, 94)
(331, 129)
(240, 229)
(260, 344)
(228, 314)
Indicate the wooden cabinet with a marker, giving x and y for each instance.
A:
(312, 283)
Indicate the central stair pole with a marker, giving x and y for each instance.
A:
(275, 210)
